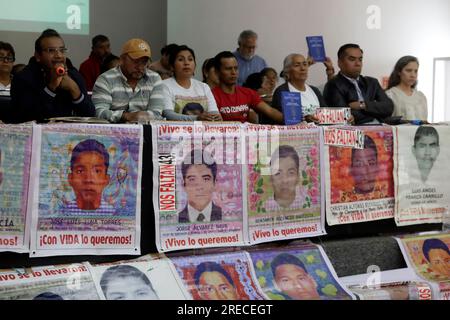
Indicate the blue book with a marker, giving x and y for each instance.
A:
(291, 102)
(316, 48)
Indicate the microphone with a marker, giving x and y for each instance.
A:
(60, 70)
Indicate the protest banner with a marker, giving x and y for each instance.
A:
(149, 279)
(218, 276)
(87, 192)
(63, 282)
(358, 182)
(408, 290)
(333, 116)
(15, 163)
(421, 175)
(284, 184)
(198, 177)
(300, 272)
(429, 255)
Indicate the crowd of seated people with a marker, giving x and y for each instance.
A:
(237, 86)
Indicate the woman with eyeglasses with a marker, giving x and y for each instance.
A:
(7, 58)
(49, 86)
(182, 97)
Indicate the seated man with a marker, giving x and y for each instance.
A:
(235, 102)
(50, 86)
(199, 182)
(364, 95)
(7, 58)
(122, 94)
(88, 178)
(214, 282)
(90, 68)
(248, 61)
(291, 278)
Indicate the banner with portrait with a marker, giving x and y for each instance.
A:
(87, 192)
(62, 282)
(421, 175)
(300, 272)
(15, 163)
(197, 172)
(429, 255)
(358, 182)
(140, 279)
(284, 185)
(225, 276)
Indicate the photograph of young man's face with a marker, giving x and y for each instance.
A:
(88, 179)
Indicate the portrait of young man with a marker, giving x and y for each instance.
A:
(213, 282)
(199, 171)
(88, 177)
(425, 150)
(364, 167)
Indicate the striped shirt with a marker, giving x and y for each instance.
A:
(71, 209)
(112, 95)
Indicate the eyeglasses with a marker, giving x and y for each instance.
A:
(53, 51)
(7, 59)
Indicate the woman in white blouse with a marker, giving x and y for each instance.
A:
(409, 103)
(182, 97)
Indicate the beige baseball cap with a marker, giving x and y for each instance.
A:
(136, 48)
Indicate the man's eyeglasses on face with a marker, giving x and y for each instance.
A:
(7, 59)
(53, 51)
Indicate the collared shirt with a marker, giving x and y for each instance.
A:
(248, 66)
(105, 209)
(112, 95)
(193, 213)
(300, 195)
(357, 87)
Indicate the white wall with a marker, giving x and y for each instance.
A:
(119, 20)
(408, 27)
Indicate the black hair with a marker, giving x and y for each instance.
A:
(8, 47)
(431, 244)
(191, 158)
(47, 33)
(173, 54)
(368, 144)
(207, 65)
(253, 81)
(342, 50)
(89, 145)
(108, 59)
(193, 106)
(48, 296)
(222, 55)
(167, 49)
(285, 258)
(100, 38)
(425, 131)
(211, 266)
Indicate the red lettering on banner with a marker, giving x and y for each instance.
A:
(9, 241)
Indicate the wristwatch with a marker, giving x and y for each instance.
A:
(362, 105)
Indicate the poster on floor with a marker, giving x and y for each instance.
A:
(62, 282)
(358, 182)
(221, 276)
(87, 195)
(151, 279)
(429, 255)
(284, 185)
(198, 177)
(405, 290)
(421, 175)
(15, 163)
(300, 272)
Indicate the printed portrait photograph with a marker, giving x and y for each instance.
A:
(296, 274)
(218, 277)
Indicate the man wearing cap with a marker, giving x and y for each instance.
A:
(122, 94)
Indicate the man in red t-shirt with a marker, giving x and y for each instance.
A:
(235, 102)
